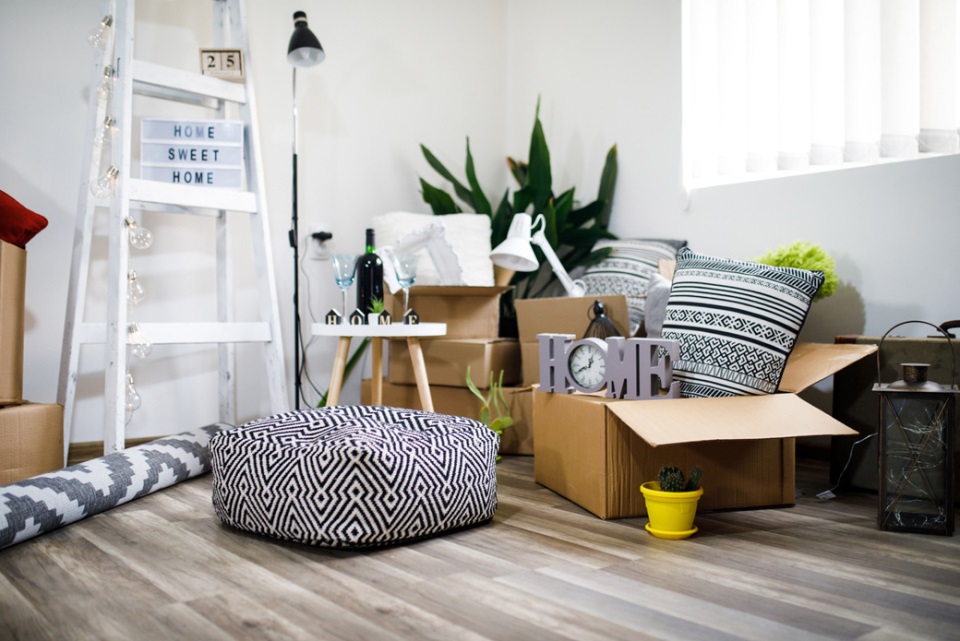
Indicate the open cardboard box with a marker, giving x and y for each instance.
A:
(469, 312)
(560, 316)
(597, 451)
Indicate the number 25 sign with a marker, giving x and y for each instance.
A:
(222, 63)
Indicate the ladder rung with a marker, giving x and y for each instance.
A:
(184, 333)
(184, 85)
(152, 191)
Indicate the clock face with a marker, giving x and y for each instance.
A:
(587, 365)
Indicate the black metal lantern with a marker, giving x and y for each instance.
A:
(918, 421)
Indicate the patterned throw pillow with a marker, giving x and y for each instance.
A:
(736, 323)
(628, 270)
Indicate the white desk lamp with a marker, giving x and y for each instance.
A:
(516, 253)
(432, 237)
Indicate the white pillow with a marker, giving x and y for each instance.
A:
(658, 293)
(468, 234)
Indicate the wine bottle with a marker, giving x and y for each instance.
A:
(369, 277)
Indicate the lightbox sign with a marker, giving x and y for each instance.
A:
(202, 153)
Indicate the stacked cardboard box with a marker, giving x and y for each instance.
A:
(472, 315)
(31, 434)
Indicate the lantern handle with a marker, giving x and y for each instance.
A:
(936, 327)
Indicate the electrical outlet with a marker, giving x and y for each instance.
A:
(317, 248)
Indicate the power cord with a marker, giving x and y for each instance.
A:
(826, 495)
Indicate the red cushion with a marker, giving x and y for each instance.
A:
(17, 223)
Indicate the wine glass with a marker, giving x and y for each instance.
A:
(344, 271)
(405, 267)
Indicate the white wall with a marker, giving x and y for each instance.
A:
(433, 72)
(396, 75)
(609, 72)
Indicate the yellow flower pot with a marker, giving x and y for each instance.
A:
(671, 513)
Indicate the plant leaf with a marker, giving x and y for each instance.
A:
(500, 224)
(608, 181)
(478, 200)
(550, 223)
(538, 183)
(440, 201)
(519, 170)
(462, 192)
(484, 415)
(562, 206)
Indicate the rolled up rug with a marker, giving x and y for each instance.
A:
(49, 501)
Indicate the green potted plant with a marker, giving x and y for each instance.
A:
(491, 403)
(572, 229)
(672, 502)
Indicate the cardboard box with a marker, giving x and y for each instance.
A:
(459, 401)
(469, 312)
(597, 451)
(13, 272)
(560, 316)
(31, 441)
(447, 361)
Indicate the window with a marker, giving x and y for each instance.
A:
(774, 86)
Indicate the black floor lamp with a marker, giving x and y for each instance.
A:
(304, 51)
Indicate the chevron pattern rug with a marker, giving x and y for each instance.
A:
(46, 502)
(355, 476)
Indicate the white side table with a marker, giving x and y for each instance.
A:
(376, 334)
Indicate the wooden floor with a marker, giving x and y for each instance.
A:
(163, 567)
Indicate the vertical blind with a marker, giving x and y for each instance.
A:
(771, 85)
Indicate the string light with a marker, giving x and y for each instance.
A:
(131, 397)
(98, 37)
(106, 84)
(140, 237)
(108, 128)
(138, 344)
(135, 291)
(105, 184)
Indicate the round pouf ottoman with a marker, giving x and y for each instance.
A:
(355, 476)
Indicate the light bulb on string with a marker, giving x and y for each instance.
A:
(104, 185)
(106, 83)
(135, 291)
(108, 128)
(140, 237)
(98, 37)
(130, 397)
(138, 344)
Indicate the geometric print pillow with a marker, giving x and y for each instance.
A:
(355, 476)
(628, 270)
(736, 323)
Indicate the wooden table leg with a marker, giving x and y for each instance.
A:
(376, 367)
(420, 372)
(336, 377)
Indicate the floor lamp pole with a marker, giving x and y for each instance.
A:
(295, 243)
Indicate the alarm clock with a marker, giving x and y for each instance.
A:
(635, 368)
(587, 364)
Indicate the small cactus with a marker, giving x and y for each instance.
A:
(694, 481)
(667, 471)
(672, 479)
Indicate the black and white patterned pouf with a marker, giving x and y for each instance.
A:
(355, 476)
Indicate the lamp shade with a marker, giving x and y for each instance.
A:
(304, 49)
(515, 254)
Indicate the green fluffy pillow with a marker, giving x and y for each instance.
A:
(809, 256)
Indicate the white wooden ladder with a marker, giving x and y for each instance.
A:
(133, 194)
